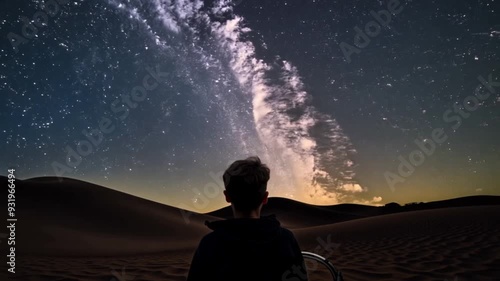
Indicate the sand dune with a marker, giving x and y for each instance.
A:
(73, 218)
(294, 214)
(433, 244)
(73, 230)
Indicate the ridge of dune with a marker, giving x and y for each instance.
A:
(294, 214)
(72, 217)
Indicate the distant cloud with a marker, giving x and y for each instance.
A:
(375, 201)
(479, 190)
(352, 187)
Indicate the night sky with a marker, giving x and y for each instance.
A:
(156, 98)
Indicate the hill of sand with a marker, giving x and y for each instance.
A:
(73, 230)
(72, 217)
(294, 214)
(437, 244)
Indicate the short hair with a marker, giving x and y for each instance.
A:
(246, 183)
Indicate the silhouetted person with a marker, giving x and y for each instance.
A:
(248, 246)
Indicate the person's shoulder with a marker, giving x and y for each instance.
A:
(213, 238)
(286, 230)
(209, 237)
(287, 233)
(208, 243)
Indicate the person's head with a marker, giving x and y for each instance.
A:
(245, 182)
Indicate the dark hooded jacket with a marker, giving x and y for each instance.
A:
(248, 249)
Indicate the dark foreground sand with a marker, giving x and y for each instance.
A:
(122, 238)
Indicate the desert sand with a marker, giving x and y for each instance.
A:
(73, 230)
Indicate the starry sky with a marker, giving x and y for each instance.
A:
(347, 101)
